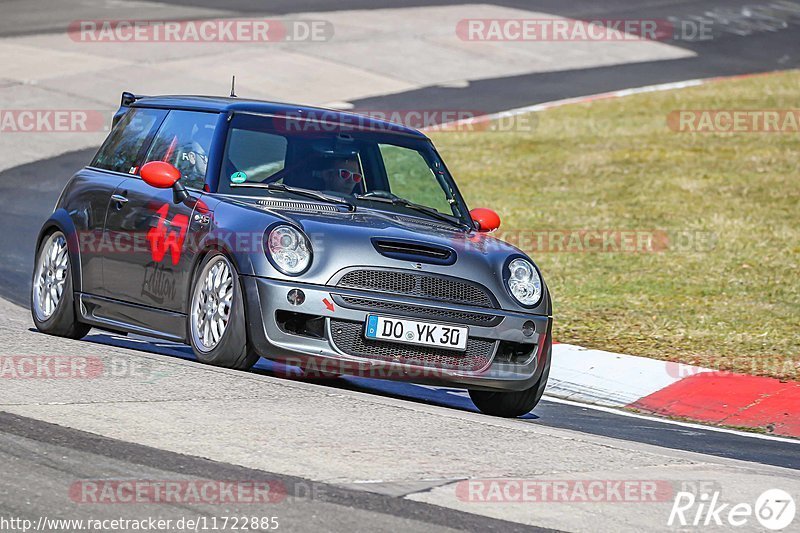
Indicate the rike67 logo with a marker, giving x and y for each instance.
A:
(774, 510)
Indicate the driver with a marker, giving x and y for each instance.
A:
(195, 159)
(341, 175)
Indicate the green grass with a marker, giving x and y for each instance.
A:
(614, 164)
(411, 178)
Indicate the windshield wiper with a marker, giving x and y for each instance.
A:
(308, 193)
(396, 200)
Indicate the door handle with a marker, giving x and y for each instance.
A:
(119, 200)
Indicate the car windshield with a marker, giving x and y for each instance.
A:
(379, 169)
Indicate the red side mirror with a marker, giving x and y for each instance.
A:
(486, 219)
(160, 175)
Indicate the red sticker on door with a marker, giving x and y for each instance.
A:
(167, 237)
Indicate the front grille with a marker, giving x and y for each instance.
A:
(348, 337)
(419, 286)
(461, 317)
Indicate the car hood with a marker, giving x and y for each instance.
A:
(341, 240)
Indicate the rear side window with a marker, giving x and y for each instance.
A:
(184, 141)
(120, 151)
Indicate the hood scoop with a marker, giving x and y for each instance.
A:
(406, 250)
(293, 205)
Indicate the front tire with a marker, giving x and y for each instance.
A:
(217, 331)
(52, 299)
(512, 404)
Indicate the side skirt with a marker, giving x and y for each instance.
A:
(115, 315)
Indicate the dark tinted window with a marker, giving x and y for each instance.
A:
(184, 141)
(254, 155)
(121, 149)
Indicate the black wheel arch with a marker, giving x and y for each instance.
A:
(61, 221)
(210, 246)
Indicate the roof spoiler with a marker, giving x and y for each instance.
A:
(129, 98)
(126, 101)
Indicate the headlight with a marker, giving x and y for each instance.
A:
(524, 282)
(289, 250)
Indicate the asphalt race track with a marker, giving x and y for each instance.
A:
(377, 456)
(335, 506)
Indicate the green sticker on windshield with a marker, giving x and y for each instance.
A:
(238, 177)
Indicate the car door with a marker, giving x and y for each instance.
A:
(155, 269)
(93, 187)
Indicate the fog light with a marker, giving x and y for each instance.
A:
(296, 297)
(528, 328)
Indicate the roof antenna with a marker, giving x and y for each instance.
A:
(233, 87)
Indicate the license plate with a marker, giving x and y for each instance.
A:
(416, 332)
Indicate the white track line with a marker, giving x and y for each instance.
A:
(589, 98)
(583, 99)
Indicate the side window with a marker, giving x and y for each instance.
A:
(254, 155)
(184, 141)
(411, 177)
(120, 150)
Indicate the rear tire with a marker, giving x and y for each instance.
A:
(52, 299)
(512, 404)
(216, 322)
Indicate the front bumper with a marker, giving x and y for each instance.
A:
(499, 356)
